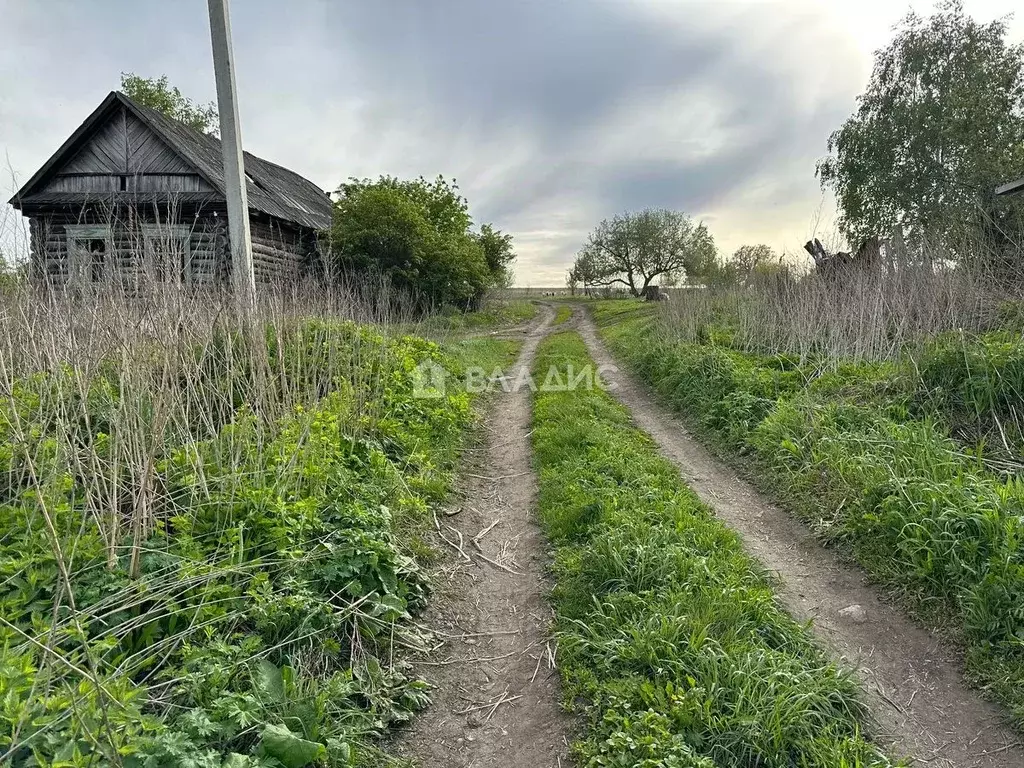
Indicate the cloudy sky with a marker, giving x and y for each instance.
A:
(552, 114)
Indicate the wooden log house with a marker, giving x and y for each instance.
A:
(134, 196)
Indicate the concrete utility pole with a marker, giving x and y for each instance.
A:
(234, 163)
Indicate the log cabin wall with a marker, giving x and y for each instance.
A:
(136, 242)
(279, 252)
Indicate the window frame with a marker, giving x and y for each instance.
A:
(80, 272)
(156, 232)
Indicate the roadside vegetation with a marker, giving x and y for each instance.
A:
(418, 235)
(879, 395)
(496, 314)
(672, 645)
(911, 462)
(209, 534)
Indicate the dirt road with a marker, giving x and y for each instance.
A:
(913, 685)
(496, 691)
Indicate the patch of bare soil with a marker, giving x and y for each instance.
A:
(516, 332)
(913, 684)
(496, 690)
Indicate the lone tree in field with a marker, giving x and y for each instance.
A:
(583, 273)
(633, 249)
(940, 125)
(158, 94)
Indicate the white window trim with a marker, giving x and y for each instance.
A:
(183, 232)
(78, 272)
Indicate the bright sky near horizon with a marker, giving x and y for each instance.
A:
(551, 115)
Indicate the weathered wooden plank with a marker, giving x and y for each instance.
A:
(154, 182)
(147, 153)
(103, 183)
(153, 156)
(104, 152)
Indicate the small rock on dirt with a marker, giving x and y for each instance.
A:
(855, 613)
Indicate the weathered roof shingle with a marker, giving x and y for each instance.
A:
(271, 189)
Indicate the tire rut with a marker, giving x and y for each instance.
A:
(913, 684)
(496, 694)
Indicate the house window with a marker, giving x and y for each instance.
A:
(97, 248)
(90, 253)
(168, 253)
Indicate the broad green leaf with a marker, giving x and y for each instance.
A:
(290, 750)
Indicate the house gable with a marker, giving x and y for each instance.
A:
(122, 154)
(125, 147)
(113, 151)
(123, 144)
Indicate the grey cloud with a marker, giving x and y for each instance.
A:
(556, 71)
(552, 113)
(555, 65)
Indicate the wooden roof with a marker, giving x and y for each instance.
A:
(271, 189)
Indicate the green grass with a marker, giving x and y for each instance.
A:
(263, 623)
(495, 314)
(977, 384)
(564, 313)
(672, 644)
(484, 352)
(877, 458)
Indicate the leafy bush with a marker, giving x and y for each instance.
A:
(672, 643)
(417, 233)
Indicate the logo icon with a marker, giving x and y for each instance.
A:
(428, 380)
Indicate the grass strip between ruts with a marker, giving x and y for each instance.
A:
(672, 644)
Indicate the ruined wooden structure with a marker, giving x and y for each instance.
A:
(867, 258)
(135, 197)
